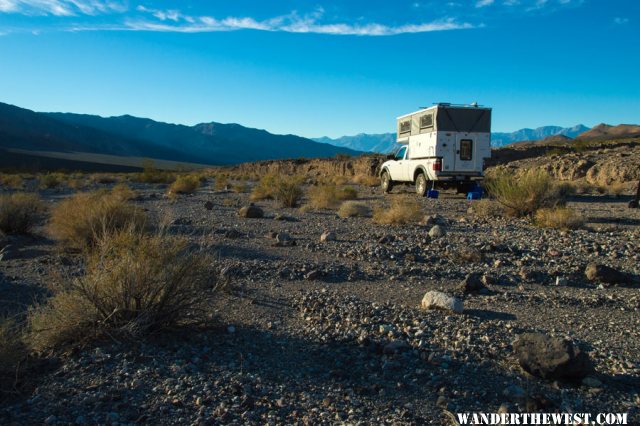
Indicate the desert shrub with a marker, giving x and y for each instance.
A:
(19, 212)
(524, 194)
(229, 202)
(83, 219)
(354, 209)
(184, 184)
(11, 181)
(12, 352)
(366, 180)
(580, 145)
(554, 151)
(123, 192)
(339, 180)
(615, 188)
(50, 180)
(558, 218)
(104, 178)
(151, 174)
(133, 284)
(330, 196)
(264, 190)
(487, 208)
(221, 183)
(401, 211)
(288, 191)
(240, 188)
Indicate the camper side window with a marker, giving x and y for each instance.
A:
(466, 149)
(405, 126)
(426, 121)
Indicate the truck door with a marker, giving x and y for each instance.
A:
(465, 154)
(397, 167)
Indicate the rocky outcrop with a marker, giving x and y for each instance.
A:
(368, 165)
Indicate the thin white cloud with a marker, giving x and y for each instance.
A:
(61, 7)
(484, 3)
(291, 23)
(621, 21)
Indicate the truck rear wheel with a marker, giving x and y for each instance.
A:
(421, 185)
(385, 182)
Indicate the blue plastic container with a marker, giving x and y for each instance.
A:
(432, 193)
(474, 195)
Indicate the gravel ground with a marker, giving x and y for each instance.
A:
(332, 332)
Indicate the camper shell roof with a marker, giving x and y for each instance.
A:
(456, 118)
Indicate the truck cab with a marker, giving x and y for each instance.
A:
(442, 146)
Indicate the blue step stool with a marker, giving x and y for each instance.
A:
(474, 196)
(432, 193)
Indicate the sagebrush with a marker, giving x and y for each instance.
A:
(403, 210)
(83, 219)
(133, 284)
(19, 212)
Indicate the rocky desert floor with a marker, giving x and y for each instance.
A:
(331, 332)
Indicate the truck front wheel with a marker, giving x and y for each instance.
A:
(421, 185)
(385, 182)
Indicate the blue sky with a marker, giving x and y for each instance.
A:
(318, 68)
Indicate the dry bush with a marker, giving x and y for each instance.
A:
(123, 192)
(151, 174)
(487, 208)
(240, 188)
(229, 202)
(11, 181)
(104, 178)
(184, 184)
(329, 196)
(83, 219)
(354, 209)
(265, 187)
(615, 188)
(522, 195)
(12, 352)
(51, 180)
(366, 180)
(339, 180)
(401, 211)
(558, 218)
(221, 183)
(133, 284)
(19, 212)
(288, 191)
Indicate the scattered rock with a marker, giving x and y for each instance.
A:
(472, 283)
(251, 212)
(284, 240)
(439, 300)
(436, 231)
(605, 274)
(327, 236)
(551, 357)
(231, 329)
(591, 382)
(208, 205)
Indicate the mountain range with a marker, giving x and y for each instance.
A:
(386, 142)
(36, 133)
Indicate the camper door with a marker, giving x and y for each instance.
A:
(465, 156)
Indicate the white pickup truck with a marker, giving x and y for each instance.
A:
(443, 146)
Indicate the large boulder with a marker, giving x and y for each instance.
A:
(551, 358)
(251, 212)
(442, 301)
(605, 274)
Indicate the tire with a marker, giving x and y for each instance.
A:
(421, 185)
(385, 182)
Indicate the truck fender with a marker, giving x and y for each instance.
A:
(384, 169)
(418, 170)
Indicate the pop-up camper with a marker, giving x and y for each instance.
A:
(445, 145)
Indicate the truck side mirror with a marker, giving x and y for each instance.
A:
(390, 156)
